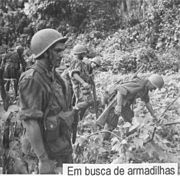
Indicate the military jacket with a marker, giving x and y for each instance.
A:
(43, 94)
(81, 68)
(134, 89)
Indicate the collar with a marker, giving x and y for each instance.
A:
(43, 68)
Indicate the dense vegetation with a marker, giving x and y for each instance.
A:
(123, 32)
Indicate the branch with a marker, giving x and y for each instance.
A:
(171, 123)
(170, 104)
(104, 131)
(155, 129)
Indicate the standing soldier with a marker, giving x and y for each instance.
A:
(127, 93)
(12, 64)
(46, 110)
(80, 78)
(80, 73)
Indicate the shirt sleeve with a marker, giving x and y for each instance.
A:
(123, 91)
(31, 99)
(76, 67)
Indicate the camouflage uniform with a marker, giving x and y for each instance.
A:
(42, 97)
(84, 70)
(131, 91)
(65, 75)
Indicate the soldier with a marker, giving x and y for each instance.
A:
(80, 72)
(93, 64)
(127, 93)
(46, 110)
(80, 78)
(12, 64)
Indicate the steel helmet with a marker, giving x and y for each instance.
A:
(96, 60)
(156, 80)
(79, 49)
(44, 39)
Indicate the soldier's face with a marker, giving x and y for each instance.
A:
(151, 87)
(57, 53)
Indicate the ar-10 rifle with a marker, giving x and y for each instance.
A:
(94, 96)
(103, 117)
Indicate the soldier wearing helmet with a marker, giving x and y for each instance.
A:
(127, 93)
(80, 78)
(45, 103)
(95, 62)
(13, 63)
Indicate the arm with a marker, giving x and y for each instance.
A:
(118, 107)
(150, 109)
(80, 80)
(34, 135)
(75, 70)
(31, 105)
(122, 92)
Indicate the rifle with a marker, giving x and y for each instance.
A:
(4, 95)
(103, 117)
(94, 97)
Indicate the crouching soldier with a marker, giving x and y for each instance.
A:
(45, 105)
(126, 95)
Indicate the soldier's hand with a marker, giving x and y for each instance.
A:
(68, 117)
(86, 85)
(117, 110)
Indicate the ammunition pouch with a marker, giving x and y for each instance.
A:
(51, 126)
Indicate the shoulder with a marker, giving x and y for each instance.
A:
(141, 81)
(135, 85)
(27, 75)
(32, 81)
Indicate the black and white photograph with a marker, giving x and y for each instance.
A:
(90, 87)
